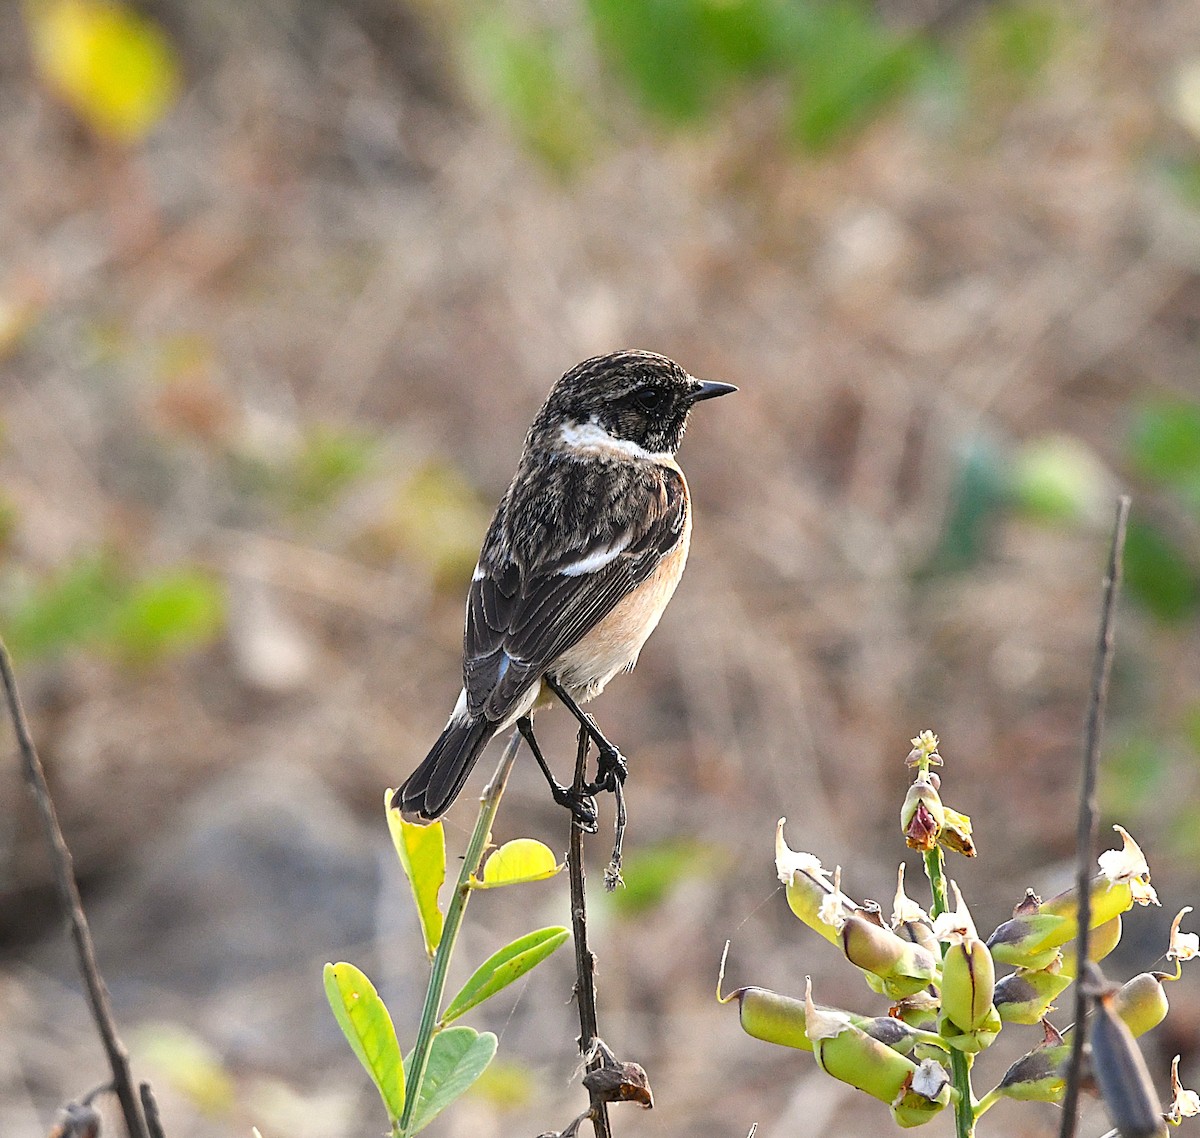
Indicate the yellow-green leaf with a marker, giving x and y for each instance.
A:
(368, 1029)
(521, 860)
(503, 967)
(422, 851)
(457, 1057)
(116, 69)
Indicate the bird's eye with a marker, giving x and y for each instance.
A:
(649, 398)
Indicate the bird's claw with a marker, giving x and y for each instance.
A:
(584, 812)
(582, 806)
(611, 772)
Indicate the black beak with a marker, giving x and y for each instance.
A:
(708, 389)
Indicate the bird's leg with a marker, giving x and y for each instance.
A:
(583, 805)
(611, 767)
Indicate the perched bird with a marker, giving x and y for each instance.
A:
(579, 562)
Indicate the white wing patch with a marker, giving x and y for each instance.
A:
(597, 560)
(459, 715)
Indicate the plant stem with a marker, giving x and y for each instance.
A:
(1085, 835)
(472, 860)
(72, 907)
(585, 962)
(960, 1061)
(934, 863)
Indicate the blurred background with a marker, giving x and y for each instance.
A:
(281, 286)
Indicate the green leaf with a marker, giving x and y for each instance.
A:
(422, 851)
(528, 74)
(1158, 574)
(70, 609)
(848, 66)
(517, 862)
(1057, 478)
(368, 1029)
(503, 967)
(1165, 441)
(166, 614)
(457, 1057)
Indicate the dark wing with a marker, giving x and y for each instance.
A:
(556, 561)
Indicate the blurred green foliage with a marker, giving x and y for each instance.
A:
(311, 473)
(1014, 43)
(1164, 445)
(438, 519)
(651, 873)
(1158, 573)
(328, 461)
(93, 603)
(1057, 480)
(525, 73)
(837, 62)
(1162, 567)
(682, 58)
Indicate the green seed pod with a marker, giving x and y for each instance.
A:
(968, 984)
(1108, 899)
(1025, 996)
(1142, 1002)
(810, 894)
(1101, 941)
(1030, 940)
(851, 1056)
(1040, 1075)
(901, 966)
(769, 1016)
(891, 1032)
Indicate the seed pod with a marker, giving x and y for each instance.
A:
(891, 1032)
(1101, 941)
(809, 891)
(968, 984)
(851, 1056)
(1031, 940)
(1142, 1002)
(901, 966)
(1040, 1075)
(769, 1016)
(1026, 996)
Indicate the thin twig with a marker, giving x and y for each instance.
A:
(585, 962)
(1085, 838)
(150, 1109)
(72, 905)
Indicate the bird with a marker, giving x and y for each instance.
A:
(577, 566)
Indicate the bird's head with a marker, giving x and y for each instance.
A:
(639, 399)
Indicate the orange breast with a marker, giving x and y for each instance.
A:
(615, 642)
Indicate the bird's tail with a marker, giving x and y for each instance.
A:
(429, 791)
